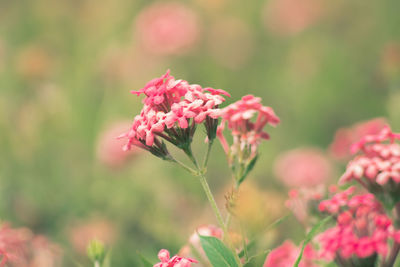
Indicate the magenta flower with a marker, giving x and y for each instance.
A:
(172, 110)
(286, 255)
(247, 134)
(362, 228)
(175, 261)
(377, 165)
(167, 28)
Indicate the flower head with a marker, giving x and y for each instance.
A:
(377, 164)
(362, 228)
(172, 110)
(167, 28)
(247, 134)
(13, 243)
(303, 167)
(175, 261)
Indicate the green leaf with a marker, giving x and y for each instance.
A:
(248, 169)
(145, 261)
(310, 236)
(217, 253)
(252, 243)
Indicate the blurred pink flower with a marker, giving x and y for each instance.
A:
(175, 261)
(82, 233)
(19, 247)
(34, 62)
(167, 28)
(109, 150)
(13, 244)
(286, 255)
(290, 17)
(303, 167)
(231, 42)
(345, 137)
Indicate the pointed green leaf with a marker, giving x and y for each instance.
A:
(310, 236)
(217, 253)
(248, 169)
(145, 262)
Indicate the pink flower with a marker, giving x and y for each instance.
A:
(167, 28)
(362, 228)
(345, 137)
(377, 164)
(19, 247)
(290, 17)
(304, 167)
(109, 150)
(175, 261)
(247, 134)
(13, 244)
(172, 110)
(286, 255)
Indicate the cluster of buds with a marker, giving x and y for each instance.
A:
(246, 119)
(377, 166)
(361, 233)
(175, 261)
(172, 110)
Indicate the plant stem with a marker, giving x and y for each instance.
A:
(96, 264)
(207, 156)
(393, 255)
(217, 213)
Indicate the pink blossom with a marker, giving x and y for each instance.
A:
(175, 261)
(172, 110)
(290, 17)
(303, 167)
(377, 162)
(247, 134)
(286, 255)
(109, 150)
(13, 244)
(167, 28)
(362, 228)
(345, 137)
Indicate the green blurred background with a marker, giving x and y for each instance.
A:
(66, 71)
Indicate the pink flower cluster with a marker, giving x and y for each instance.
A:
(286, 255)
(172, 109)
(362, 228)
(175, 261)
(303, 167)
(345, 137)
(246, 133)
(378, 161)
(13, 243)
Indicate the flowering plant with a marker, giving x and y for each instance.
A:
(363, 225)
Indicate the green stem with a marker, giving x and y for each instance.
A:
(192, 171)
(218, 215)
(207, 156)
(246, 255)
